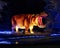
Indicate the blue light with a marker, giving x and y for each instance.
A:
(5, 32)
(12, 38)
(27, 37)
(55, 35)
(1, 38)
(5, 42)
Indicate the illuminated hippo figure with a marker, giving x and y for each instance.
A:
(28, 21)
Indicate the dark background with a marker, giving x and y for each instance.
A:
(20, 7)
(13, 7)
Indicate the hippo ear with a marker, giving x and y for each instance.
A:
(33, 14)
(43, 14)
(46, 14)
(36, 14)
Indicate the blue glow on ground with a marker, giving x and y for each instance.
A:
(5, 32)
(27, 37)
(5, 42)
(37, 36)
(1, 39)
(55, 34)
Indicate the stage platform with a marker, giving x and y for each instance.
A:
(8, 37)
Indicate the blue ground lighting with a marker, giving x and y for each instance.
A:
(10, 40)
(9, 32)
(5, 42)
(25, 37)
(5, 32)
(37, 36)
(55, 35)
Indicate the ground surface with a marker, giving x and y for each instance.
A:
(8, 37)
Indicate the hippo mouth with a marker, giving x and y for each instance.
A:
(42, 20)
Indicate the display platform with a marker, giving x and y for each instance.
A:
(8, 37)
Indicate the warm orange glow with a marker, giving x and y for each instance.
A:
(28, 21)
